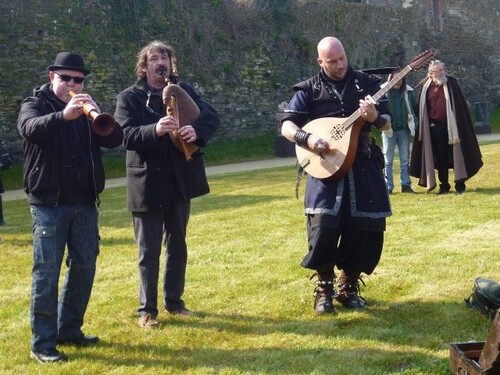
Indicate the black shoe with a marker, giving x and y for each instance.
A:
(350, 297)
(79, 341)
(324, 305)
(182, 311)
(407, 189)
(460, 188)
(324, 293)
(48, 356)
(442, 191)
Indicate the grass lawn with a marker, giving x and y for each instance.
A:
(253, 301)
(216, 153)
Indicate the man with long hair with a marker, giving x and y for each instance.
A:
(160, 181)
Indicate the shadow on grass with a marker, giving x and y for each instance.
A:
(425, 323)
(350, 342)
(487, 191)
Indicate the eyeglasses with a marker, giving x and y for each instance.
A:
(67, 78)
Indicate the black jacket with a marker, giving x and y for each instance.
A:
(43, 129)
(156, 169)
(316, 98)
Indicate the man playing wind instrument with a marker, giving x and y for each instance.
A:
(160, 181)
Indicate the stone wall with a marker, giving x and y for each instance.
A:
(241, 55)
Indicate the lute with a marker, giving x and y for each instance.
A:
(342, 134)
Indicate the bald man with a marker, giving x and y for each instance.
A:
(346, 216)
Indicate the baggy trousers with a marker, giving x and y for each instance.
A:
(350, 249)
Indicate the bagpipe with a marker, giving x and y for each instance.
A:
(180, 105)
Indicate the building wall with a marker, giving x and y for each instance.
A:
(243, 56)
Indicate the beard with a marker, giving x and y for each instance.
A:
(440, 80)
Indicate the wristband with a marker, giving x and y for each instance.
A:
(301, 137)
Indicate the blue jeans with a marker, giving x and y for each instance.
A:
(400, 138)
(54, 228)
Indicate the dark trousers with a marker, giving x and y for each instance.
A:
(441, 151)
(151, 230)
(350, 249)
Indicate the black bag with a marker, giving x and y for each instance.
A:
(485, 297)
(6, 157)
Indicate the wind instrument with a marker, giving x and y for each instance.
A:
(102, 123)
(180, 105)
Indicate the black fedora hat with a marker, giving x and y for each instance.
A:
(70, 61)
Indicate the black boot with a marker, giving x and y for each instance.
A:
(460, 187)
(349, 294)
(444, 188)
(324, 293)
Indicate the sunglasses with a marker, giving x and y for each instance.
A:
(67, 78)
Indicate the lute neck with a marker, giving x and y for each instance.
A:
(397, 77)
